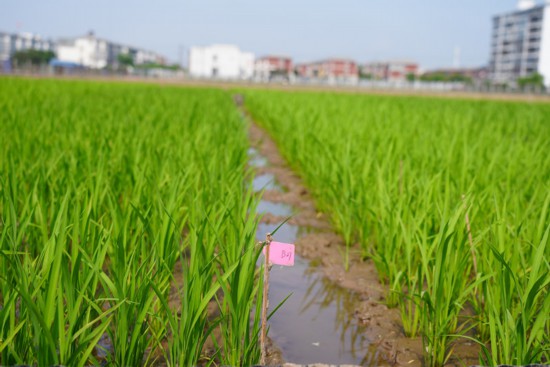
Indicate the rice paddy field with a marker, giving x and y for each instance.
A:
(127, 234)
(449, 198)
(108, 192)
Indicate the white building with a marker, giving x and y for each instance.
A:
(521, 43)
(220, 61)
(11, 43)
(97, 53)
(88, 51)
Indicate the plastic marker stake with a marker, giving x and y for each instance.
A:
(274, 253)
(281, 253)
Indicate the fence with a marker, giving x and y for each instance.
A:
(180, 76)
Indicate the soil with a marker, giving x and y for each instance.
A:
(326, 247)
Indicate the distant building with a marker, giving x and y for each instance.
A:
(221, 61)
(331, 70)
(272, 67)
(392, 71)
(521, 43)
(65, 67)
(10, 43)
(97, 53)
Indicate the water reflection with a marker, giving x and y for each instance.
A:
(322, 294)
(316, 324)
(255, 159)
(278, 209)
(266, 181)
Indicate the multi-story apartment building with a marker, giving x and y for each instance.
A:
(10, 43)
(221, 62)
(97, 53)
(521, 43)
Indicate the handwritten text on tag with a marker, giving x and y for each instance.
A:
(281, 253)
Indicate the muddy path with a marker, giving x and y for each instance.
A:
(323, 249)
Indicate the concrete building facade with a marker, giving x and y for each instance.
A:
(10, 43)
(97, 53)
(520, 43)
(220, 62)
(268, 68)
(392, 71)
(330, 70)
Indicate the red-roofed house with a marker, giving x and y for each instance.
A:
(271, 67)
(336, 70)
(392, 71)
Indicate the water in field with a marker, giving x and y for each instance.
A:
(279, 209)
(266, 182)
(317, 323)
(255, 159)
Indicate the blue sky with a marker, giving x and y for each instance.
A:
(426, 31)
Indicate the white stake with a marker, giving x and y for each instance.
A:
(265, 302)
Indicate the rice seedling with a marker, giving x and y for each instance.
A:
(242, 291)
(447, 289)
(199, 287)
(517, 301)
(115, 199)
(388, 169)
(43, 308)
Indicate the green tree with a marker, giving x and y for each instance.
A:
(457, 77)
(32, 57)
(125, 59)
(445, 77)
(153, 65)
(534, 80)
(433, 77)
(365, 76)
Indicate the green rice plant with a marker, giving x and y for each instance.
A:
(383, 168)
(335, 187)
(188, 325)
(518, 308)
(66, 324)
(411, 315)
(101, 185)
(130, 282)
(447, 289)
(242, 290)
(513, 312)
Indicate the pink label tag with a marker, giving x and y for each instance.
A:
(281, 253)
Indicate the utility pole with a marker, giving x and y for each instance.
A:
(456, 57)
(181, 53)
